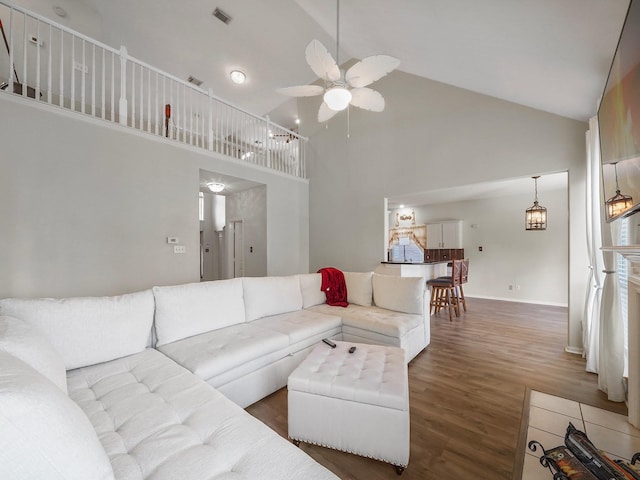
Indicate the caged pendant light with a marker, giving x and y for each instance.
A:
(535, 217)
(619, 203)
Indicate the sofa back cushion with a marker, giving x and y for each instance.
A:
(266, 296)
(186, 310)
(88, 330)
(23, 341)
(43, 433)
(310, 284)
(359, 288)
(402, 294)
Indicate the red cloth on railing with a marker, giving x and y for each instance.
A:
(334, 286)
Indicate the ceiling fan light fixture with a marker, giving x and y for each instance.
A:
(337, 98)
(216, 187)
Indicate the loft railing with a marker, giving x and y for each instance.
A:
(67, 69)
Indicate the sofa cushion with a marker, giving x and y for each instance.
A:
(186, 310)
(21, 340)
(402, 294)
(375, 319)
(88, 330)
(212, 353)
(310, 284)
(301, 324)
(265, 296)
(359, 288)
(158, 421)
(44, 434)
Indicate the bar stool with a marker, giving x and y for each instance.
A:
(464, 278)
(443, 291)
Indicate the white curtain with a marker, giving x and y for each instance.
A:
(603, 327)
(591, 319)
(611, 364)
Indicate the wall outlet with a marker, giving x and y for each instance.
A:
(179, 249)
(517, 287)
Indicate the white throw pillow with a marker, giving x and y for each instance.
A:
(186, 310)
(88, 330)
(402, 294)
(21, 340)
(359, 289)
(43, 434)
(310, 284)
(266, 296)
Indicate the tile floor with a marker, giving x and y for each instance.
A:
(548, 420)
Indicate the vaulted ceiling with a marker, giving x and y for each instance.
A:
(547, 54)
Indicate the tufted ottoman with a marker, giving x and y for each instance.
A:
(355, 402)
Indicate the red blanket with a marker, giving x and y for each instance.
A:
(334, 286)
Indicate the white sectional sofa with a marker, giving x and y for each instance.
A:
(151, 384)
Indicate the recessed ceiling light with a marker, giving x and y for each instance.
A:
(216, 187)
(297, 121)
(61, 12)
(238, 77)
(401, 206)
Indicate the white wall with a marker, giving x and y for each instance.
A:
(431, 136)
(534, 263)
(86, 206)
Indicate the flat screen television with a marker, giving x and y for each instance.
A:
(619, 123)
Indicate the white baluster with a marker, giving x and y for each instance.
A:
(11, 67)
(83, 79)
(49, 69)
(37, 96)
(122, 107)
(61, 99)
(210, 103)
(93, 80)
(113, 87)
(24, 56)
(73, 74)
(103, 87)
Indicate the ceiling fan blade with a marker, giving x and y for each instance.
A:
(367, 99)
(321, 62)
(325, 113)
(301, 90)
(370, 69)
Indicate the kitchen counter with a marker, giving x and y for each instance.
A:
(426, 270)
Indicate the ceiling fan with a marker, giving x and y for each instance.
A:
(343, 89)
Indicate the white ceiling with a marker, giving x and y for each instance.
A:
(553, 55)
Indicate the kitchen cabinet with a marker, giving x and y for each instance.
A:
(444, 234)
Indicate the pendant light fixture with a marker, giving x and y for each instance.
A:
(535, 218)
(619, 203)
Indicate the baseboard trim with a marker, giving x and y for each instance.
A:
(574, 350)
(519, 300)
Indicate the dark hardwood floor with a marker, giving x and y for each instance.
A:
(467, 391)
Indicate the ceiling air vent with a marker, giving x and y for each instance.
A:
(195, 81)
(220, 15)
